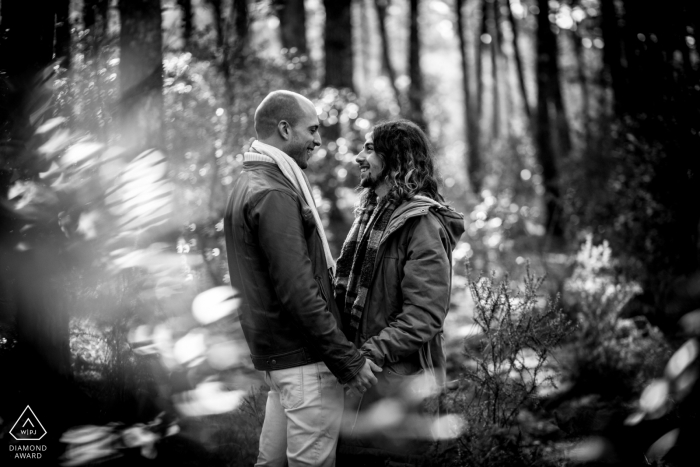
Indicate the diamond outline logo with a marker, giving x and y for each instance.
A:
(30, 422)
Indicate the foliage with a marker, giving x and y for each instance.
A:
(610, 355)
(511, 366)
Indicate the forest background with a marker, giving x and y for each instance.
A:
(566, 131)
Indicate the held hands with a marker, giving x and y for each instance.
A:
(364, 380)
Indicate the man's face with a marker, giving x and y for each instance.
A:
(371, 165)
(305, 136)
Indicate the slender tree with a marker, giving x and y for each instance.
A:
(292, 16)
(479, 57)
(518, 61)
(545, 148)
(187, 24)
(583, 82)
(415, 91)
(472, 154)
(496, 52)
(141, 74)
(95, 22)
(388, 67)
(338, 44)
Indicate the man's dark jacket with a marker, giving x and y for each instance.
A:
(277, 265)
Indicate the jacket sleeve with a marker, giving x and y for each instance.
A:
(426, 295)
(281, 237)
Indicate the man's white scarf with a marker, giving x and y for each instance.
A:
(294, 174)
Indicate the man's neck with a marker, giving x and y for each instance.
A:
(274, 143)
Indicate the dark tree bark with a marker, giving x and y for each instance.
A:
(95, 20)
(338, 44)
(415, 91)
(583, 83)
(479, 57)
(187, 28)
(292, 16)
(495, 55)
(217, 7)
(37, 369)
(519, 62)
(141, 74)
(545, 149)
(63, 28)
(472, 154)
(613, 74)
(386, 56)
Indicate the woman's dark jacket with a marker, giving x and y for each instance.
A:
(278, 267)
(409, 296)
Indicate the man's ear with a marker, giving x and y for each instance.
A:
(284, 129)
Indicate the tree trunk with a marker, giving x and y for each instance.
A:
(338, 44)
(292, 16)
(37, 369)
(583, 83)
(563, 136)
(613, 72)
(187, 28)
(386, 57)
(479, 57)
(95, 20)
(141, 74)
(545, 149)
(519, 62)
(415, 91)
(495, 53)
(472, 154)
(63, 35)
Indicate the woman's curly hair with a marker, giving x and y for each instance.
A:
(408, 160)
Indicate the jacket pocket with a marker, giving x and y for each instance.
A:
(403, 368)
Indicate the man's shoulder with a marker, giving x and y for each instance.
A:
(259, 179)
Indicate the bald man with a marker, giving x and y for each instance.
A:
(280, 263)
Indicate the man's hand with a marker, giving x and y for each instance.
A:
(365, 379)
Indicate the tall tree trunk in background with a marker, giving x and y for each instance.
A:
(519, 62)
(95, 20)
(141, 74)
(218, 13)
(473, 156)
(495, 55)
(613, 73)
(292, 16)
(386, 56)
(187, 25)
(37, 370)
(338, 44)
(479, 57)
(338, 64)
(545, 149)
(583, 83)
(63, 28)
(415, 91)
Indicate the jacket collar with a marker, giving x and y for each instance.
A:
(419, 205)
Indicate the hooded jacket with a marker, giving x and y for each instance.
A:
(409, 296)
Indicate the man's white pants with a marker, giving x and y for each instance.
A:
(302, 417)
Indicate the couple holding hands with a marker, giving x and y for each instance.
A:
(336, 341)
